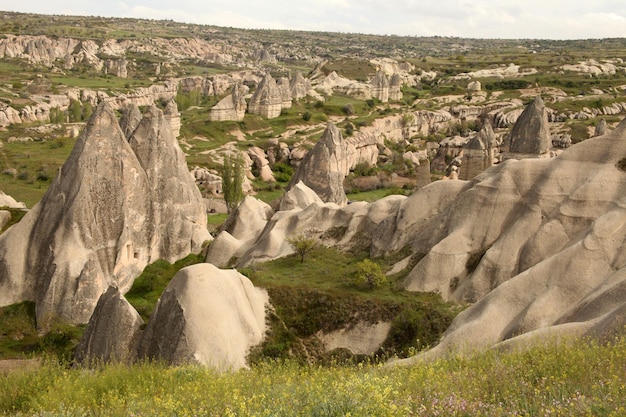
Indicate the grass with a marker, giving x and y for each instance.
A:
(36, 164)
(323, 293)
(580, 379)
(19, 337)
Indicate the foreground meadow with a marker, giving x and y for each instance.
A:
(555, 379)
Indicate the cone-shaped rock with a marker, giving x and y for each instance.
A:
(601, 128)
(531, 133)
(207, 316)
(113, 332)
(105, 216)
(324, 167)
(267, 99)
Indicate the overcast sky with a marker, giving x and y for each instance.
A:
(544, 19)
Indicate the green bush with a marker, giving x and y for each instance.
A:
(371, 274)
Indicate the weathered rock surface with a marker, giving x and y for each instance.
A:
(299, 86)
(267, 99)
(232, 107)
(537, 244)
(601, 128)
(239, 232)
(324, 168)
(113, 332)
(9, 202)
(110, 211)
(207, 316)
(531, 133)
(380, 87)
(395, 87)
(479, 153)
(5, 216)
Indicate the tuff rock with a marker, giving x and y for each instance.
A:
(113, 208)
(206, 316)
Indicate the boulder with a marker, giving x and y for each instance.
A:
(479, 153)
(324, 168)
(208, 316)
(239, 232)
(113, 207)
(262, 165)
(113, 332)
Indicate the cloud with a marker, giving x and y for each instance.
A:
(557, 19)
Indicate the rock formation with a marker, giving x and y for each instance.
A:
(267, 99)
(285, 92)
(395, 87)
(601, 128)
(261, 164)
(536, 244)
(113, 208)
(232, 107)
(239, 232)
(299, 86)
(530, 136)
(479, 153)
(9, 202)
(173, 117)
(206, 316)
(380, 87)
(325, 167)
(113, 332)
(131, 116)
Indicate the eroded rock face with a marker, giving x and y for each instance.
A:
(113, 332)
(380, 87)
(537, 244)
(531, 133)
(231, 107)
(207, 316)
(110, 211)
(9, 202)
(267, 99)
(324, 168)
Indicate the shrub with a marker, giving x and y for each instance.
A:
(302, 243)
(371, 274)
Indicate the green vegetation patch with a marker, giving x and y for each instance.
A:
(325, 293)
(19, 337)
(564, 379)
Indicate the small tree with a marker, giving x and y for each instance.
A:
(371, 274)
(232, 182)
(302, 243)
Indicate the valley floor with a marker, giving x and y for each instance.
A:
(553, 379)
